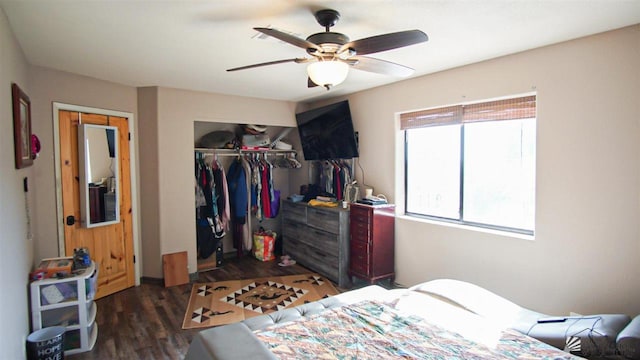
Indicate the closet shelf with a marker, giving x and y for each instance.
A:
(235, 152)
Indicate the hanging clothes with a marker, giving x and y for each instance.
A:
(334, 176)
(217, 203)
(337, 181)
(239, 201)
(206, 241)
(262, 189)
(212, 216)
(227, 201)
(237, 182)
(222, 191)
(200, 199)
(256, 176)
(265, 195)
(247, 238)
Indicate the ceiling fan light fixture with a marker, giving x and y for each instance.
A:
(328, 73)
(333, 53)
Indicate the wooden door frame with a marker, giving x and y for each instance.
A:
(57, 107)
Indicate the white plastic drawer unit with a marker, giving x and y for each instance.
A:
(68, 302)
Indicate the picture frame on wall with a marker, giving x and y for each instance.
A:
(21, 127)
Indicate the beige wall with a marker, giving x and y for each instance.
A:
(177, 111)
(585, 254)
(16, 247)
(55, 86)
(148, 165)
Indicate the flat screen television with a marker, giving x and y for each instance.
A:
(111, 142)
(327, 132)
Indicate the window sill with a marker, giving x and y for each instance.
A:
(467, 227)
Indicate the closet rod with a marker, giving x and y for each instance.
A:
(234, 152)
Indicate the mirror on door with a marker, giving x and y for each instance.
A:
(98, 173)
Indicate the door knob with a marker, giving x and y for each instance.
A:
(71, 220)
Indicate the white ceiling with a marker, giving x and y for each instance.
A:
(189, 44)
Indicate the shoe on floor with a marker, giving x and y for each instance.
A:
(287, 262)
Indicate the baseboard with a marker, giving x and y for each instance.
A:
(160, 281)
(152, 280)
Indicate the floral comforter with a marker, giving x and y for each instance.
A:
(373, 330)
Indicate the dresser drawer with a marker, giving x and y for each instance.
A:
(291, 228)
(360, 214)
(295, 212)
(313, 258)
(312, 238)
(359, 231)
(324, 219)
(324, 264)
(359, 268)
(359, 257)
(359, 247)
(322, 240)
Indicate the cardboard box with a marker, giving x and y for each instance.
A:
(54, 266)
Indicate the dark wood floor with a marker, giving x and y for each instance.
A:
(145, 322)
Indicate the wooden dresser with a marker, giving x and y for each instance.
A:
(96, 203)
(318, 238)
(372, 242)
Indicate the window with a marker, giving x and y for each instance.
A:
(473, 164)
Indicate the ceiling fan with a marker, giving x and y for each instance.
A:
(333, 53)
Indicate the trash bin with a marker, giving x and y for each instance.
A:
(46, 344)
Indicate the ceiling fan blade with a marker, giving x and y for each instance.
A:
(295, 60)
(293, 40)
(370, 64)
(310, 83)
(385, 42)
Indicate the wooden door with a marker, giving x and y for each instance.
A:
(110, 246)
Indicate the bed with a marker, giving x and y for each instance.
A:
(441, 319)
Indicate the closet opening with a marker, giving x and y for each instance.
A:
(240, 174)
